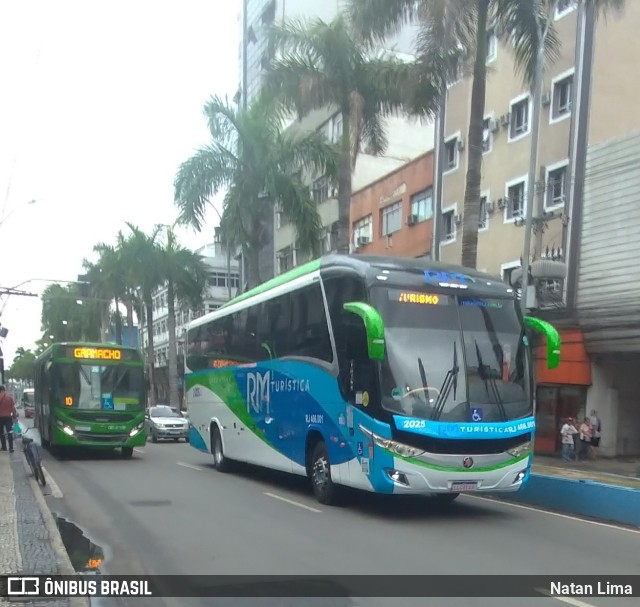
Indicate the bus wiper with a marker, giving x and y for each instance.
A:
(450, 380)
(489, 380)
(423, 378)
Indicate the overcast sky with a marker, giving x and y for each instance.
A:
(101, 101)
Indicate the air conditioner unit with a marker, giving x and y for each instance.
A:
(546, 99)
(502, 203)
(505, 119)
(490, 207)
(460, 144)
(493, 125)
(412, 220)
(458, 219)
(363, 240)
(333, 192)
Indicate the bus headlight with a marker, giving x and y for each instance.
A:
(520, 450)
(66, 429)
(391, 445)
(136, 429)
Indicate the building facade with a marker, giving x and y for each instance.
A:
(217, 293)
(394, 215)
(584, 194)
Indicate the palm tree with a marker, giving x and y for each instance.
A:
(185, 274)
(141, 253)
(323, 64)
(447, 26)
(107, 279)
(259, 165)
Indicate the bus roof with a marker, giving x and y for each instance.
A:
(368, 266)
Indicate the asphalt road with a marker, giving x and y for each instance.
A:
(167, 511)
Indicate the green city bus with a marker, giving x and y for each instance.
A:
(90, 395)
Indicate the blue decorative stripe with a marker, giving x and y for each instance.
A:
(461, 430)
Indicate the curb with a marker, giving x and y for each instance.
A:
(64, 562)
(579, 497)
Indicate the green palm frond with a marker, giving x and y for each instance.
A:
(296, 202)
(200, 177)
(309, 150)
(377, 19)
(527, 25)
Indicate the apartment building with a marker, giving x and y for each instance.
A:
(408, 138)
(585, 174)
(394, 215)
(217, 293)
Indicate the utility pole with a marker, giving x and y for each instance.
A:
(542, 32)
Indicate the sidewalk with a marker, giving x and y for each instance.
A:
(29, 539)
(621, 472)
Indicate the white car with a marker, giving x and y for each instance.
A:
(164, 422)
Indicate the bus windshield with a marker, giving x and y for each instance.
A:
(453, 358)
(100, 387)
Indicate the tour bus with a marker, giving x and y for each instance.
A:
(391, 375)
(90, 395)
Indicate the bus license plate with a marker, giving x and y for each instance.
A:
(461, 486)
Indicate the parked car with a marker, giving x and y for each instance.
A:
(163, 422)
(28, 402)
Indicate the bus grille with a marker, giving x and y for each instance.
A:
(460, 446)
(86, 437)
(83, 416)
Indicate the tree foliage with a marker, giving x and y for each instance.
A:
(23, 365)
(258, 165)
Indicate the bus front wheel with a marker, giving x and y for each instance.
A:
(127, 452)
(220, 462)
(324, 489)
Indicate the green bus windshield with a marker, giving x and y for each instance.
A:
(92, 386)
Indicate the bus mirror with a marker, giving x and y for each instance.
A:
(553, 339)
(373, 326)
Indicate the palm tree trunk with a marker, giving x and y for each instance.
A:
(174, 396)
(118, 322)
(343, 237)
(229, 270)
(129, 304)
(252, 256)
(148, 303)
(471, 212)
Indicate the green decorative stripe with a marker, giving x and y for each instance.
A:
(418, 462)
(297, 272)
(223, 384)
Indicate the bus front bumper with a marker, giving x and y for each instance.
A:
(410, 478)
(68, 437)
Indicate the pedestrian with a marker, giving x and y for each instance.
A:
(568, 431)
(596, 424)
(8, 414)
(586, 432)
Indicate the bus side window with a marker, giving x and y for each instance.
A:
(274, 321)
(357, 371)
(309, 333)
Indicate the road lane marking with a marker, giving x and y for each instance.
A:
(138, 450)
(292, 502)
(184, 465)
(558, 514)
(565, 599)
(55, 489)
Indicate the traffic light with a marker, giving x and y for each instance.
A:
(85, 286)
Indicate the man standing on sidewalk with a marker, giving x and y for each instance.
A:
(8, 414)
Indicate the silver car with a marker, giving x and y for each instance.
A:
(163, 422)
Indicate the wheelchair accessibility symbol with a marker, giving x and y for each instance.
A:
(476, 415)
